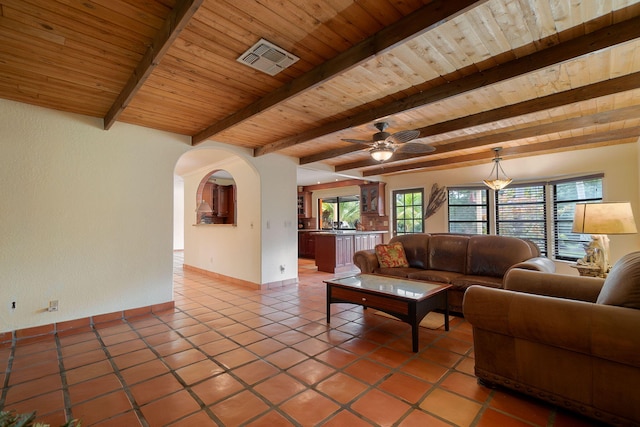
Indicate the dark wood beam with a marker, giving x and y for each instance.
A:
(492, 139)
(592, 91)
(589, 43)
(174, 24)
(555, 145)
(430, 16)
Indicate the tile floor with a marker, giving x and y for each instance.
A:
(233, 356)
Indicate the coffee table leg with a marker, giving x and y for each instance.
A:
(414, 336)
(328, 303)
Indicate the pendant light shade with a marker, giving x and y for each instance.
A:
(497, 183)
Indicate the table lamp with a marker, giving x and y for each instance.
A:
(599, 220)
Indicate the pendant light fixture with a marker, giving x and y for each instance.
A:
(381, 152)
(497, 183)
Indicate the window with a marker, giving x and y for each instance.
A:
(521, 212)
(341, 213)
(408, 211)
(568, 245)
(468, 210)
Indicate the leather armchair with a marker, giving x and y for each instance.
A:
(572, 341)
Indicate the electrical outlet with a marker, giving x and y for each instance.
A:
(53, 305)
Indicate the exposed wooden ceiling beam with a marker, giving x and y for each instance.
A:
(175, 22)
(595, 90)
(589, 43)
(428, 17)
(558, 144)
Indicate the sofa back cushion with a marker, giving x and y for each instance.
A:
(493, 255)
(447, 252)
(415, 248)
(622, 285)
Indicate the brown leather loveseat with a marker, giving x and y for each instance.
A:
(460, 260)
(570, 340)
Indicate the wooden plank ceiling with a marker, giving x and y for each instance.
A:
(532, 76)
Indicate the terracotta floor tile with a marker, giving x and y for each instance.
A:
(199, 419)
(189, 331)
(341, 387)
(379, 406)
(279, 388)
(199, 371)
(425, 370)
(337, 357)
(334, 337)
(270, 419)
(144, 371)
(367, 371)
(235, 358)
(389, 357)
(248, 337)
(118, 338)
(161, 338)
(466, 365)
(81, 347)
(265, 347)
(218, 347)
(405, 387)
(451, 344)
(217, 388)
(286, 358)
(30, 389)
(359, 346)
(309, 407)
(232, 329)
(451, 407)
(134, 358)
(311, 371)
(129, 419)
(93, 387)
(172, 347)
(255, 371)
(465, 385)
(126, 347)
(169, 408)
(43, 404)
(291, 337)
(87, 372)
(418, 418)
(239, 408)
(184, 358)
(312, 346)
(204, 338)
(441, 356)
(101, 408)
(43, 370)
(155, 388)
(346, 418)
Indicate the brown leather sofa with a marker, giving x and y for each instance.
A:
(461, 260)
(572, 341)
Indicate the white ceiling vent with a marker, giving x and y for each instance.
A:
(267, 57)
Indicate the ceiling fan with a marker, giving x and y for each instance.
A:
(383, 144)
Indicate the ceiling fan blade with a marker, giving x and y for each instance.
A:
(404, 136)
(415, 148)
(357, 141)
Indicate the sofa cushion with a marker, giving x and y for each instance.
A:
(448, 253)
(434, 276)
(396, 271)
(415, 246)
(391, 255)
(622, 285)
(493, 255)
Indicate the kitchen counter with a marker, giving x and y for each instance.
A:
(334, 249)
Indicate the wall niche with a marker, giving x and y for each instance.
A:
(216, 199)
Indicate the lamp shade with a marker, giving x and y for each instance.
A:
(204, 208)
(604, 218)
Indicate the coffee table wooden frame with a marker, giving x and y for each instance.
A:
(407, 308)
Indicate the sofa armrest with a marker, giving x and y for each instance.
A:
(605, 331)
(554, 285)
(537, 264)
(366, 260)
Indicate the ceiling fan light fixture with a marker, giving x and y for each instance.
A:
(497, 183)
(381, 153)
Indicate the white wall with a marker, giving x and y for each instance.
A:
(619, 163)
(178, 213)
(265, 236)
(85, 217)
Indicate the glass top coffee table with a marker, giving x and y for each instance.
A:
(408, 300)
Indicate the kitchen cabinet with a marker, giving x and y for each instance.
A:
(334, 251)
(221, 199)
(372, 199)
(304, 204)
(306, 244)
